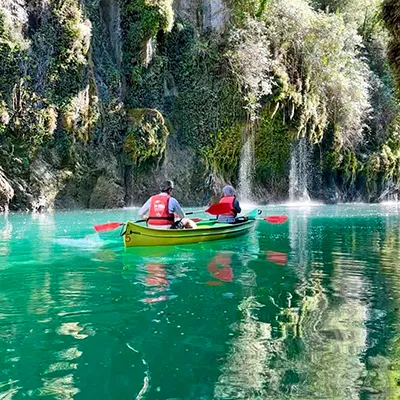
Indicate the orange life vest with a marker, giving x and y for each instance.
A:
(159, 213)
(230, 200)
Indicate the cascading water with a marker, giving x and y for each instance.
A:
(389, 192)
(300, 164)
(246, 166)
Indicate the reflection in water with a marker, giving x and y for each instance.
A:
(317, 349)
(245, 371)
(333, 339)
(59, 388)
(220, 268)
(276, 257)
(5, 237)
(303, 310)
(157, 282)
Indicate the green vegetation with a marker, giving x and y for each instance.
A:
(223, 156)
(109, 74)
(272, 152)
(146, 137)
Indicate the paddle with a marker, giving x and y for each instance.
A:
(109, 226)
(214, 209)
(272, 219)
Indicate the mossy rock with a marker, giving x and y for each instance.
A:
(223, 154)
(146, 136)
(272, 147)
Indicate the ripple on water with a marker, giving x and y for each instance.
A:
(9, 388)
(307, 309)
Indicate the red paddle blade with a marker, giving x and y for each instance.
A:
(109, 226)
(219, 209)
(196, 219)
(276, 219)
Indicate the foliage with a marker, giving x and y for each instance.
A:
(60, 50)
(141, 21)
(11, 55)
(391, 16)
(146, 135)
(322, 78)
(251, 64)
(206, 99)
(223, 156)
(365, 14)
(288, 68)
(26, 119)
(272, 148)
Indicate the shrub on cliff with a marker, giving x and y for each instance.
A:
(146, 136)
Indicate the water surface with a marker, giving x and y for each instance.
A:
(305, 310)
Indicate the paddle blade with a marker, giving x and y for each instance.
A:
(219, 209)
(276, 219)
(109, 226)
(196, 219)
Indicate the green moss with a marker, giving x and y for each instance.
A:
(146, 136)
(272, 147)
(391, 17)
(11, 54)
(60, 50)
(350, 166)
(208, 100)
(147, 85)
(141, 21)
(222, 156)
(372, 170)
(331, 149)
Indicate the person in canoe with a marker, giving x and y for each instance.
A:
(159, 210)
(229, 198)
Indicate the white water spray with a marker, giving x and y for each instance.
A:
(300, 164)
(246, 166)
(389, 193)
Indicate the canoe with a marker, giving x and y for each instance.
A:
(138, 234)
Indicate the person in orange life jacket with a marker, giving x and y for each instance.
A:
(230, 198)
(159, 210)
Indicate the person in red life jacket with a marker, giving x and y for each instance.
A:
(230, 198)
(159, 210)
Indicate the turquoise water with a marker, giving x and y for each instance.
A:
(305, 310)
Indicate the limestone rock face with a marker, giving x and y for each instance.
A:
(107, 194)
(180, 165)
(6, 192)
(46, 182)
(82, 161)
(209, 14)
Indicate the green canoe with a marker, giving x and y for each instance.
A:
(138, 234)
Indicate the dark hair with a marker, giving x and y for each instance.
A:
(167, 185)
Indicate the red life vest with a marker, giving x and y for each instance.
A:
(159, 213)
(230, 200)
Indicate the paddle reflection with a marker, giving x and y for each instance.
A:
(276, 257)
(156, 282)
(220, 268)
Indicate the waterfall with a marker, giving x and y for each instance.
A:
(300, 165)
(246, 166)
(389, 191)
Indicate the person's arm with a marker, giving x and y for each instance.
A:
(145, 208)
(237, 206)
(174, 207)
